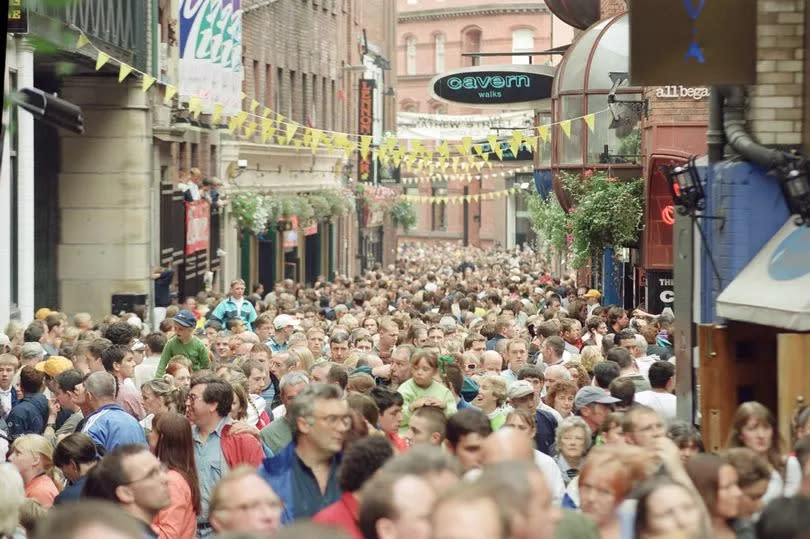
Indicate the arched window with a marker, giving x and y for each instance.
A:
(471, 42)
(409, 105)
(522, 40)
(410, 55)
(438, 53)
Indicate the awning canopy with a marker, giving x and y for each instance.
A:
(774, 288)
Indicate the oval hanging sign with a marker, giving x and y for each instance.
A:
(505, 86)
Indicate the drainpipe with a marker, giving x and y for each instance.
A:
(733, 115)
(715, 137)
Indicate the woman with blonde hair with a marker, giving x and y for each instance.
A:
(754, 426)
(32, 455)
(589, 356)
(491, 398)
(12, 496)
(303, 357)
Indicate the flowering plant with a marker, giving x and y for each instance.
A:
(261, 212)
(606, 212)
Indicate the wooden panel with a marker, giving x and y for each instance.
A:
(793, 375)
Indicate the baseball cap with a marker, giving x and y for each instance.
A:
(185, 318)
(42, 313)
(592, 395)
(283, 320)
(54, 366)
(520, 389)
(137, 346)
(31, 349)
(593, 293)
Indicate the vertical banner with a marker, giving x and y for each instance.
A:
(211, 52)
(198, 219)
(365, 164)
(660, 290)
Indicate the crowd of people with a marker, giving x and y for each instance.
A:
(459, 393)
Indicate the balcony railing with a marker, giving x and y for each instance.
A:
(120, 23)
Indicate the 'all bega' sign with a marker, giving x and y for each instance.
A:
(198, 218)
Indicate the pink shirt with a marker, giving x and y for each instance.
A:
(178, 520)
(130, 399)
(42, 489)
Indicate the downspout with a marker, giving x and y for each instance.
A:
(732, 113)
(715, 136)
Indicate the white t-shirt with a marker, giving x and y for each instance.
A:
(553, 475)
(663, 403)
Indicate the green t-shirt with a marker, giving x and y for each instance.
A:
(195, 351)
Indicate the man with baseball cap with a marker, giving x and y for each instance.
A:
(593, 404)
(284, 325)
(184, 343)
(521, 394)
(592, 298)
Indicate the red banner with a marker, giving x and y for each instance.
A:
(198, 220)
(365, 167)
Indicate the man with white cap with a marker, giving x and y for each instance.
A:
(593, 404)
(284, 325)
(521, 395)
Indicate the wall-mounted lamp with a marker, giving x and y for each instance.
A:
(685, 187)
(796, 189)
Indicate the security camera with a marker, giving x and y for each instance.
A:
(242, 163)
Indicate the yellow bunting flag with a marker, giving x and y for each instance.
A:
(317, 134)
(297, 143)
(514, 147)
(307, 136)
(349, 148)
(147, 82)
(123, 71)
(443, 149)
(216, 112)
(268, 134)
(566, 127)
(542, 131)
(532, 142)
(171, 91)
(429, 155)
(101, 59)
(499, 152)
(475, 197)
(466, 142)
(493, 142)
(253, 105)
(390, 143)
(365, 144)
(240, 118)
(485, 158)
(459, 149)
(589, 120)
(232, 124)
(250, 129)
(290, 130)
(478, 165)
(281, 139)
(266, 113)
(82, 41)
(479, 148)
(243, 96)
(455, 163)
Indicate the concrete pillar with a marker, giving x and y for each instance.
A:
(5, 196)
(104, 196)
(25, 187)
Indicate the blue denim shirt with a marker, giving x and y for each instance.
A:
(211, 464)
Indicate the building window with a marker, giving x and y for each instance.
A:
(257, 81)
(291, 112)
(471, 42)
(410, 106)
(410, 55)
(440, 108)
(439, 210)
(438, 58)
(277, 100)
(522, 40)
(268, 86)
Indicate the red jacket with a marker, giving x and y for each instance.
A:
(241, 449)
(343, 514)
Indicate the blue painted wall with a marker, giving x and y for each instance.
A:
(755, 210)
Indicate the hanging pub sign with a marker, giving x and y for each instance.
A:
(504, 86)
(693, 42)
(17, 17)
(660, 290)
(365, 165)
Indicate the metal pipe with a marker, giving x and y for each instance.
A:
(715, 137)
(739, 139)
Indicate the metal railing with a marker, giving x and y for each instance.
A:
(120, 23)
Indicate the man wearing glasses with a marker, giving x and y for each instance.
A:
(134, 479)
(304, 474)
(243, 502)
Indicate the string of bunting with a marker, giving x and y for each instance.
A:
(459, 199)
(468, 177)
(273, 128)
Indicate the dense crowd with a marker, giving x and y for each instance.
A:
(459, 393)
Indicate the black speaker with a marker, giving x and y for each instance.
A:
(126, 302)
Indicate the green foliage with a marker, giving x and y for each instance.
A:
(260, 213)
(404, 214)
(607, 212)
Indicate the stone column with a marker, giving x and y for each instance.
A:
(104, 195)
(25, 188)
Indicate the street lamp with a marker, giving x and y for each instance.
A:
(796, 190)
(686, 187)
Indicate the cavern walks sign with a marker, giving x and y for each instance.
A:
(495, 86)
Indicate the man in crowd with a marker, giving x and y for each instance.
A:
(396, 506)
(30, 414)
(118, 361)
(504, 329)
(304, 474)
(8, 393)
(339, 347)
(66, 383)
(243, 502)
(284, 325)
(105, 421)
(517, 355)
(660, 398)
(627, 367)
(235, 306)
(492, 362)
(278, 434)
(521, 396)
(389, 333)
(552, 351)
(132, 477)
(146, 370)
(465, 433)
(642, 426)
(184, 343)
(593, 404)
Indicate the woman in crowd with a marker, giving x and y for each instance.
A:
(12, 497)
(75, 455)
(491, 398)
(754, 426)
(180, 374)
(667, 508)
(611, 431)
(561, 397)
(716, 482)
(32, 455)
(578, 373)
(573, 440)
(303, 358)
(686, 438)
(609, 474)
(753, 477)
(173, 445)
(160, 396)
(589, 356)
(423, 383)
